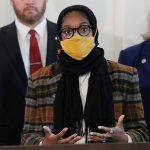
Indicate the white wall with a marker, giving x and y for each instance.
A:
(121, 22)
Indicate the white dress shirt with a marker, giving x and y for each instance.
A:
(24, 41)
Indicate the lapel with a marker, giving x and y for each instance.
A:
(145, 56)
(13, 50)
(52, 44)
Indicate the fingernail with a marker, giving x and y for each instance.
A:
(91, 133)
(80, 137)
(45, 127)
(66, 129)
(100, 127)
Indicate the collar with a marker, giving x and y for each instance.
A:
(24, 30)
(41, 28)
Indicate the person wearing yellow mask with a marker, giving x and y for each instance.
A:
(83, 97)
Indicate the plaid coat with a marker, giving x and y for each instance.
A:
(40, 97)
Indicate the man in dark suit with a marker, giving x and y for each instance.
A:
(15, 65)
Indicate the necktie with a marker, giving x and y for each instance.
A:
(35, 57)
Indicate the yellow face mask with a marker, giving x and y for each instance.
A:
(78, 47)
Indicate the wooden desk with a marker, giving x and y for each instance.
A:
(135, 146)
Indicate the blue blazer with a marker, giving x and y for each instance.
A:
(13, 81)
(138, 56)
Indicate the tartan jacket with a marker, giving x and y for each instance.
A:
(42, 87)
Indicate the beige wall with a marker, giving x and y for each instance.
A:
(120, 21)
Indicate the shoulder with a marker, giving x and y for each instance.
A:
(52, 30)
(6, 28)
(129, 55)
(44, 74)
(51, 24)
(134, 47)
(131, 51)
(114, 67)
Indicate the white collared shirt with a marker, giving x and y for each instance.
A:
(24, 41)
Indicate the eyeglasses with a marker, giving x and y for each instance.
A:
(83, 30)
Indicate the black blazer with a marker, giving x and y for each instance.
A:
(13, 81)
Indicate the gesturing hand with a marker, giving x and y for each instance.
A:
(115, 134)
(51, 138)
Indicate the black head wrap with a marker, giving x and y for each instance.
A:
(99, 108)
(85, 10)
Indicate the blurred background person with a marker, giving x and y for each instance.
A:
(138, 56)
(26, 45)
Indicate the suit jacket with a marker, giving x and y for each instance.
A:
(42, 88)
(13, 81)
(138, 56)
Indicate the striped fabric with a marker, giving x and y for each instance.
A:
(41, 94)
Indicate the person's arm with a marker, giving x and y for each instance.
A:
(134, 123)
(33, 129)
(130, 125)
(39, 113)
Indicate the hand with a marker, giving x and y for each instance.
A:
(51, 138)
(115, 134)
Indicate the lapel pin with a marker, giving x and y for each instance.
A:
(56, 38)
(143, 61)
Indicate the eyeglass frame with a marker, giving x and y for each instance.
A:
(77, 30)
